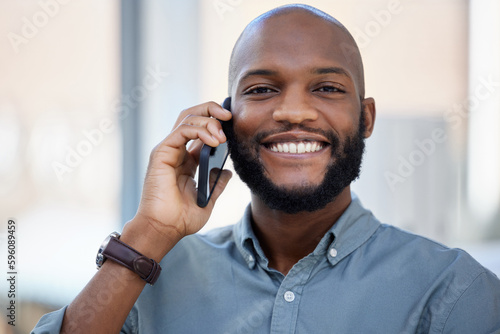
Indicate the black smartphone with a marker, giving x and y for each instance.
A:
(212, 161)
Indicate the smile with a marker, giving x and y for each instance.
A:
(300, 147)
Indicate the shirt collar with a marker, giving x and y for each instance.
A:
(354, 227)
(246, 241)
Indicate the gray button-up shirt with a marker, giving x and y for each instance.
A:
(363, 277)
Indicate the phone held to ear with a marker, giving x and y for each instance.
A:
(212, 161)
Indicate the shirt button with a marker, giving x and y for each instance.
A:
(289, 296)
(333, 252)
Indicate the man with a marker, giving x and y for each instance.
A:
(306, 256)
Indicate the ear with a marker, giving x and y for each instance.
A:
(369, 110)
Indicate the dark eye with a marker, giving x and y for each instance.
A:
(259, 90)
(330, 89)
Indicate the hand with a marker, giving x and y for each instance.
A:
(168, 205)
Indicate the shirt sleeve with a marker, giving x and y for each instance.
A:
(478, 308)
(131, 323)
(50, 323)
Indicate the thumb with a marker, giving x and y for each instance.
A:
(224, 178)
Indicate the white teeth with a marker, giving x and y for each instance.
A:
(308, 147)
(296, 148)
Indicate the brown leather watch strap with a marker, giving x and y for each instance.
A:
(148, 269)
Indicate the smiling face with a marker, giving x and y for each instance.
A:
(296, 101)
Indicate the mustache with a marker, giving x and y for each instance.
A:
(286, 127)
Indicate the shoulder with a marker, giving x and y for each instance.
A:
(427, 263)
(452, 285)
(215, 238)
(198, 247)
(423, 251)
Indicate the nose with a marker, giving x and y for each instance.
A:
(295, 108)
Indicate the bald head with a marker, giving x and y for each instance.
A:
(301, 24)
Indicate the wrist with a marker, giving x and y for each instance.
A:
(113, 249)
(141, 234)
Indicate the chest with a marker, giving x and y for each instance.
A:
(314, 298)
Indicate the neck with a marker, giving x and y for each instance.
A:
(287, 238)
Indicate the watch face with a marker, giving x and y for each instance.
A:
(100, 258)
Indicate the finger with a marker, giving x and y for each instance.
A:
(190, 144)
(208, 109)
(195, 150)
(213, 177)
(184, 133)
(212, 125)
(172, 150)
(192, 159)
(224, 178)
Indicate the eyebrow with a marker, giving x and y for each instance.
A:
(258, 72)
(331, 70)
(320, 70)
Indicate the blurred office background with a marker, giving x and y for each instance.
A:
(88, 88)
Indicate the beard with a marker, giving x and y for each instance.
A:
(345, 166)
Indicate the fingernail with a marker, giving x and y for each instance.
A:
(223, 135)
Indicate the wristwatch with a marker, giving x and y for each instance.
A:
(112, 248)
